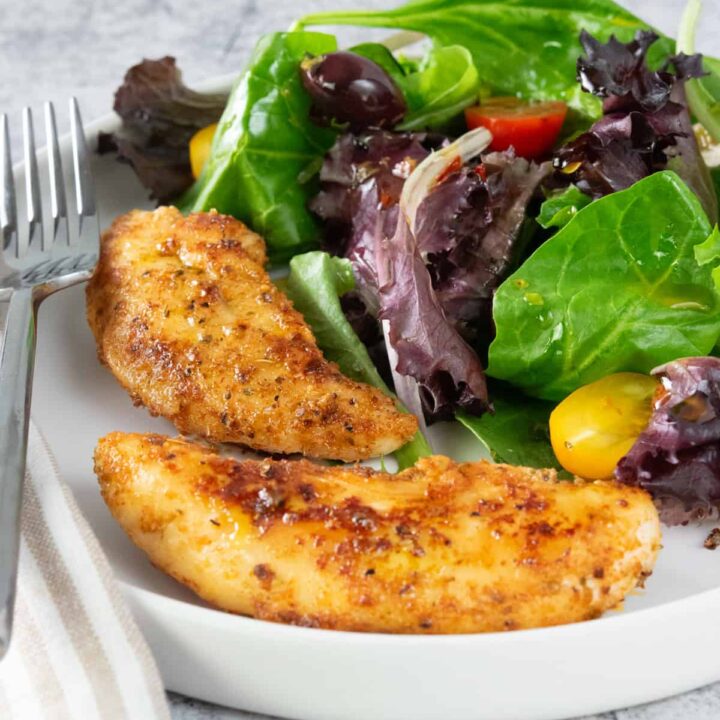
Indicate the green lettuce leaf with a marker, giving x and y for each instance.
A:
(560, 207)
(315, 284)
(617, 289)
(518, 433)
(266, 149)
(708, 252)
(437, 90)
(446, 82)
(520, 47)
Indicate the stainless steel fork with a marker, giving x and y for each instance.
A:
(36, 259)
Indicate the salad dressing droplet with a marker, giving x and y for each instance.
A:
(534, 298)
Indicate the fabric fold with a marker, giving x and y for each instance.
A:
(76, 651)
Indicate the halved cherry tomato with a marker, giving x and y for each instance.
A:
(200, 144)
(532, 128)
(595, 426)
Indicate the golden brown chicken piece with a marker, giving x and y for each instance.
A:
(440, 548)
(189, 322)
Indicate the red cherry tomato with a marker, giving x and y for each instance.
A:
(532, 128)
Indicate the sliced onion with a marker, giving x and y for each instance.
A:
(427, 173)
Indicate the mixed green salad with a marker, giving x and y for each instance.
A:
(510, 224)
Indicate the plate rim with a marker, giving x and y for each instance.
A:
(217, 616)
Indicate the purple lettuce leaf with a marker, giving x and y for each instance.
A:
(465, 242)
(619, 150)
(646, 126)
(159, 116)
(361, 181)
(468, 228)
(677, 457)
(429, 349)
(618, 72)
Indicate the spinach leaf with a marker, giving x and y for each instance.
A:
(518, 433)
(618, 288)
(315, 284)
(444, 83)
(266, 148)
(520, 47)
(703, 94)
(560, 207)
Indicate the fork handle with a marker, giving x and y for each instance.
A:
(16, 371)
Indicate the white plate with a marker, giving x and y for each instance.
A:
(664, 642)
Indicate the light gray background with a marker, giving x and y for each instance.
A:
(51, 49)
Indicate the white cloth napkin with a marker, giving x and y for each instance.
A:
(76, 652)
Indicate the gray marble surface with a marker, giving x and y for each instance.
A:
(50, 49)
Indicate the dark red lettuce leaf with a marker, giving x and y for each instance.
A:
(429, 348)
(465, 243)
(646, 125)
(468, 229)
(677, 457)
(361, 181)
(467, 226)
(439, 297)
(159, 116)
(619, 73)
(619, 150)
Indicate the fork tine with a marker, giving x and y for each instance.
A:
(32, 188)
(58, 202)
(84, 192)
(8, 208)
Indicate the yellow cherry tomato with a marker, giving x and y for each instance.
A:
(200, 144)
(595, 426)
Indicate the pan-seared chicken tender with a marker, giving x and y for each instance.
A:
(188, 321)
(443, 547)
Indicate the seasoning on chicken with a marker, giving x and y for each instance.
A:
(443, 547)
(188, 321)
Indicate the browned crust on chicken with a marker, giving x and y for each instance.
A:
(443, 547)
(188, 321)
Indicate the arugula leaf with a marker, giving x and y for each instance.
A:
(266, 148)
(520, 47)
(517, 433)
(617, 289)
(444, 83)
(703, 94)
(315, 284)
(560, 207)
